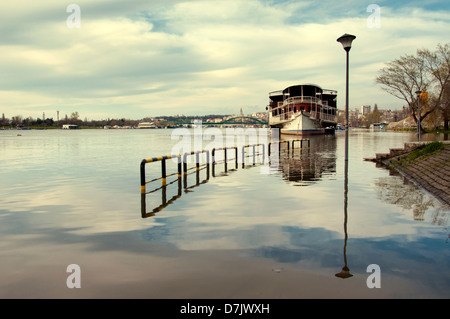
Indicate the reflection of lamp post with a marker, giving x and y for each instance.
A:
(345, 272)
(418, 114)
(346, 41)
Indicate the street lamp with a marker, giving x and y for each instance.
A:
(418, 114)
(346, 41)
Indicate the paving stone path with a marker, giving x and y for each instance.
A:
(431, 172)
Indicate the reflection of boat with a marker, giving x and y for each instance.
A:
(303, 109)
(300, 165)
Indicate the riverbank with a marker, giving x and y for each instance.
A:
(427, 168)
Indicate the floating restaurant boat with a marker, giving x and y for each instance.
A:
(303, 109)
(146, 125)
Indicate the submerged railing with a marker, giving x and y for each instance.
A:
(164, 175)
(225, 160)
(301, 142)
(197, 166)
(279, 146)
(197, 160)
(253, 146)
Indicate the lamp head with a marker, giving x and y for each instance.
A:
(346, 41)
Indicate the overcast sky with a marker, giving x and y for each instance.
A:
(133, 59)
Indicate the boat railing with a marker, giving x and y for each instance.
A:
(324, 116)
(276, 93)
(321, 115)
(328, 117)
(301, 99)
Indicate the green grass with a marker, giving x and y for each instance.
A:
(437, 131)
(420, 152)
(425, 149)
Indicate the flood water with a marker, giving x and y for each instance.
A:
(279, 229)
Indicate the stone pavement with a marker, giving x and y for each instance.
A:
(431, 172)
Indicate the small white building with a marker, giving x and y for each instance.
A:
(69, 127)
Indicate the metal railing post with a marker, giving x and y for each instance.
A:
(143, 162)
(163, 172)
(254, 154)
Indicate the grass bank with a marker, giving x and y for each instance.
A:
(422, 151)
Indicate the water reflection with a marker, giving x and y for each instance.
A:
(345, 271)
(298, 163)
(302, 164)
(234, 229)
(181, 182)
(183, 185)
(398, 190)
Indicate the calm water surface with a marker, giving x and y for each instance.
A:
(278, 230)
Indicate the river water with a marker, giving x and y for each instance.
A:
(281, 228)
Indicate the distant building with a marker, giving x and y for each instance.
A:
(365, 109)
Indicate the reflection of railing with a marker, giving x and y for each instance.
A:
(164, 200)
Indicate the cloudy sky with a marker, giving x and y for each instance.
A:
(138, 58)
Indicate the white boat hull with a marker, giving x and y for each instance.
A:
(299, 124)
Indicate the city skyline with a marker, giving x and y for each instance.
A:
(152, 58)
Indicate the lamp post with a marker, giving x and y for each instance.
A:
(418, 114)
(346, 41)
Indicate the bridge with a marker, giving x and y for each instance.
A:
(236, 120)
(242, 120)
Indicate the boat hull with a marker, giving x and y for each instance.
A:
(300, 124)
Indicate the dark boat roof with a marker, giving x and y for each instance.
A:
(307, 89)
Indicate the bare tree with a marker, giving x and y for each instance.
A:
(426, 71)
(446, 106)
(438, 65)
(16, 120)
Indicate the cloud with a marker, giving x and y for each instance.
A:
(150, 58)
